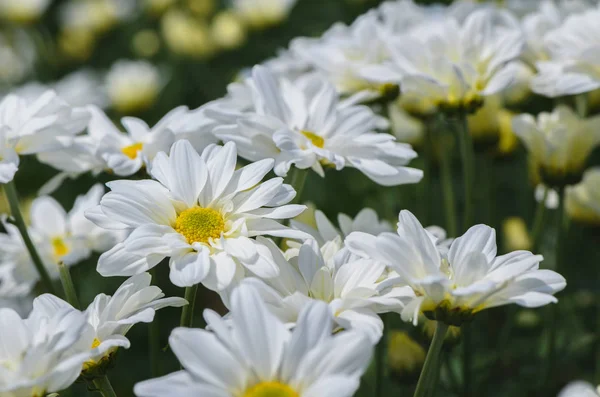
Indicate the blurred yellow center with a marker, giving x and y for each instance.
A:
(59, 247)
(200, 224)
(314, 138)
(131, 151)
(271, 389)
(95, 343)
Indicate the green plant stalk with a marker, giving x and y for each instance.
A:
(538, 222)
(466, 154)
(104, 387)
(429, 372)
(154, 338)
(297, 179)
(187, 312)
(466, 360)
(448, 191)
(68, 286)
(380, 353)
(581, 105)
(13, 199)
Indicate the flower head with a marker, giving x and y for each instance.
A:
(260, 14)
(200, 212)
(133, 86)
(258, 356)
(583, 200)
(579, 389)
(470, 278)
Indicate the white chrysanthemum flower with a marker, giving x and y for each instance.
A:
(260, 14)
(558, 142)
(201, 213)
(59, 237)
(258, 356)
(28, 127)
(23, 11)
(573, 66)
(453, 65)
(579, 389)
(133, 86)
(38, 354)
(582, 201)
(111, 317)
(470, 278)
(354, 288)
(302, 124)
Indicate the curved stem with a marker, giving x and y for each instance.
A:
(466, 154)
(68, 286)
(428, 373)
(13, 199)
(103, 385)
(187, 312)
(538, 222)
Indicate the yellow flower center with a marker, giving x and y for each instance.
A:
(59, 247)
(95, 343)
(314, 138)
(131, 151)
(271, 389)
(198, 225)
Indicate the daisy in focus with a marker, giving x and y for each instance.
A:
(470, 278)
(35, 126)
(201, 213)
(302, 124)
(258, 356)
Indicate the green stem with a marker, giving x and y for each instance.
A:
(538, 222)
(154, 338)
(428, 373)
(447, 186)
(380, 354)
(187, 312)
(297, 178)
(104, 387)
(466, 154)
(68, 286)
(13, 199)
(581, 105)
(466, 361)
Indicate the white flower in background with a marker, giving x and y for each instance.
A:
(201, 213)
(260, 14)
(579, 389)
(259, 356)
(35, 126)
(14, 295)
(133, 86)
(583, 200)
(470, 278)
(559, 143)
(448, 64)
(354, 288)
(302, 124)
(23, 11)
(573, 66)
(95, 15)
(37, 353)
(109, 318)
(59, 237)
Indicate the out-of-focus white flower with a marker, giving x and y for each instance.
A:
(201, 213)
(39, 354)
(14, 295)
(579, 389)
(97, 16)
(583, 200)
(59, 237)
(23, 11)
(559, 143)
(302, 124)
(133, 86)
(470, 278)
(259, 356)
(109, 318)
(35, 126)
(260, 14)
(227, 30)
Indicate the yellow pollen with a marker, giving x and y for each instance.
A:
(314, 138)
(59, 246)
(95, 343)
(198, 225)
(131, 151)
(271, 389)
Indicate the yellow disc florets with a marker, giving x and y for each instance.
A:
(271, 389)
(198, 225)
(59, 247)
(315, 139)
(131, 151)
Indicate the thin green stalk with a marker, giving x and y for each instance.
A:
(104, 387)
(538, 222)
(466, 360)
(187, 312)
(447, 186)
(581, 105)
(466, 154)
(297, 178)
(13, 199)
(68, 286)
(428, 373)
(154, 338)
(380, 354)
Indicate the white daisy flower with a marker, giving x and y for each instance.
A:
(35, 126)
(260, 14)
(259, 356)
(200, 212)
(38, 354)
(579, 389)
(133, 86)
(302, 124)
(109, 318)
(469, 279)
(23, 11)
(14, 295)
(582, 201)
